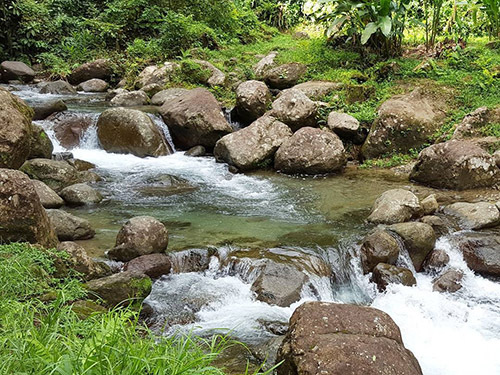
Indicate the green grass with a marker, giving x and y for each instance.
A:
(46, 338)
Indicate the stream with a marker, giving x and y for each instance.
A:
(265, 214)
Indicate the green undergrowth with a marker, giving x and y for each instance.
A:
(45, 336)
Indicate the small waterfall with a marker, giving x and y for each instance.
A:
(164, 128)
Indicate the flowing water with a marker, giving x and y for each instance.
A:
(299, 220)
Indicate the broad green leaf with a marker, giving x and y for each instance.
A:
(368, 32)
(384, 7)
(385, 25)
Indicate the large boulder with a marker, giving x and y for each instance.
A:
(474, 215)
(56, 174)
(23, 218)
(279, 284)
(80, 195)
(449, 281)
(158, 75)
(473, 123)
(284, 76)
(482, 252)
(165, 95)
(153, 265)
(121, 288)
(16, 71)
(48, 197)
(195, 118)
(69, 127)
(252, 100)
(317, 90)
(264, 64)
(96, 69)
(311, 151)
(93, 85)
(378, 247)
(295, 109)
(130, 99)
(418, 238)
(70, 227)
(336, 339)
(59, 87)
(40, 145)
(15, 130)
(404, 122)
(344, 125)
(81, 262)
(456, 165)
(252, 147)
(395, 206)
(216, 76)
(140, 235)
(45, 109)
(131, 131)
(385, 274)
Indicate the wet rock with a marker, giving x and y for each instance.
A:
(162, 96)
(436, 259)
(311, 151)
(267, 351)
(124, 131)
(15, 130)
(195, 118)
(395, 206)
(474, 215)
(295, 109)
(482, 252)
(48, 197)
(344, 125)
(456, 165)
(473, 123)
(100, 69)
(69, 128)
(153, 265)
(403, 123)
(40, 144)
(156, 75)
(284, 76)
(16, 70)
(279, 284)
(418, 238)
(56, 174)
(266, 63)
(59, 87)
(429, 205)
(69, 227)
(140, 235)
(130, 99)
(82, 263)
(254, 146)
(121, 288)
(196, 260)
(93, 85)
(165, 186)
(378, 247)
(62, 156)
(327, 338)
(385, 274)
(216, 76)
(317, 90)
(196, 151)
(44, 110)
(253, 98)
(112, 93)
(440, 226)
(449, 281)
(80, 195)
(89, 176)
(23, 218)
(81, 165)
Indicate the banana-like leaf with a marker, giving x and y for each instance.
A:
(385, 25)
(370, 29)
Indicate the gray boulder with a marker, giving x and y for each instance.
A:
(48, 197)
(154, 74)
(59, 87)
(44, 110)
(284, 76)
(474, 215)
(130, 99)
(449, 281)
(252, 100)
(100, 68)
(80, 195)
(344, 125)
(69, 227)
(93, 85)
(162, 96)
(264, 64)
(395, 206)
(295, 109)
(16, 71)
(153, 265)
(317, 90)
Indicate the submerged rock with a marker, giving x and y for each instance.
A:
(80, 194)
(295, 109)
(474, 215)
(195, 118)
(385, 274)
(284, 76)
(404, 122)
(16, 71)
(123, 131)
(22, 218)
(15, 130)
(252, 100)
(140, 235)
(329, 338)
(48, 197)
(456, 165)
(311, 151)
(395, 206)
(252, 147)
(95, 69)
(70, 227)
(378, 247)
(82, 263)
(449, 281)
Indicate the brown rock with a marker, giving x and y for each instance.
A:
(93, 85)
(395, 206)
(96, 69)
(284, 76)
(436, 259)
(48, 197)
(252, 100)
(482, 252)
(16, 71)
(69, 128)
(295, 109)
(44, 110)
(80, 195)
(56, 174)
(153, 265)
(82, 263)
(70, 227)
(378, 247)
(385, 274)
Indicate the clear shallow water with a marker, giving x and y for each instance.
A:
(271, 215)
